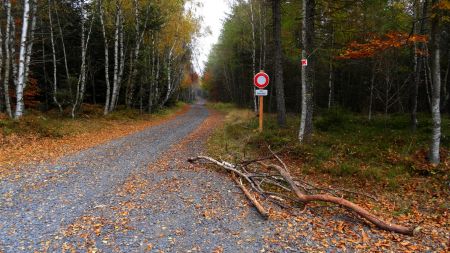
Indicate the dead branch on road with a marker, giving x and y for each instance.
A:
(275, 184)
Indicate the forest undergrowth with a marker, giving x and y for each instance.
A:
(382, 157)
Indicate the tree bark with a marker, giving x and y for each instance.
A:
(8, 58)
(2, 96)
(119, 57)
(417, 60)
(52, 40)
(66, 65)
(301, 194)
(85, 37)
(106, 52)
(30, 43)
(134, 60)
(372, 87)
(436, 86)
(152, 77)
(20, 83)
(306, 124)
(252, 21)
(331, 75)
(278, 64)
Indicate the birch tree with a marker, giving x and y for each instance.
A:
(20, 83)
(106, 52)
(306, 123)
(436, 84)
(55, 69)
(119, 57)
(85, 37)
(418, 60)
(7, 42)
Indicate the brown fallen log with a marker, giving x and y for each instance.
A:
(302, 195)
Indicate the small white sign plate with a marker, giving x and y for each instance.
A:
(260, 92)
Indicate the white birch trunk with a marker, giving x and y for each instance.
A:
(55, 70)
(133, 60)
(1, 70)
(305, 132)
(152, 77)
(122, 58)
(169, 74)
(106, 46)
(436, 89)
(118, 58)
(20, 86)
(30, 43)
(81, 86)
(8, 58)
(66, 65)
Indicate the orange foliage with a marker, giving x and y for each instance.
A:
(378, 44)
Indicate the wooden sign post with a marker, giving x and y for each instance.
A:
(261, 80)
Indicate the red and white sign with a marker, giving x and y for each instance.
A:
(304, 62)
(261, 80)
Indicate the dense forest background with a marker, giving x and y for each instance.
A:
(370, 57)
(59, 54)
(337, 25)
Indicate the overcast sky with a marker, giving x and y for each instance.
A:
(213, 13)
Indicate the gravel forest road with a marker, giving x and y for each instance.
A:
(132, 194)
(138, 193)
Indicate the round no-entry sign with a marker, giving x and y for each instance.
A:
(261, 80)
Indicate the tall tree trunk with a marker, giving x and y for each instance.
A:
(133, 60)
(52, 40)
(118, 57)
(252, 21)
(417, 60)
(106, 49)
(170, 87)
(61, 35)
(331, 74)
(85, 37)
(372, 86)
(6, 79)
(122, 57)
(278, 64)
(152, 77)
(20, 83)
(436, 86)
(2, 96)
(306, 123)
(30, 43)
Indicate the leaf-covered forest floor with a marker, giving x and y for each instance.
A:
(382, 157)
(40, 137)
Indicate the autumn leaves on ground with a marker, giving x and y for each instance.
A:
(40, 137)
(148, 206)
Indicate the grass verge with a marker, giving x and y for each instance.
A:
(382, 156)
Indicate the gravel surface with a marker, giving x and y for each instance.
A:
(138, 194)
(35, 207)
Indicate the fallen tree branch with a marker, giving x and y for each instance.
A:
(345, 203)
(284, 182)
(252, 199)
